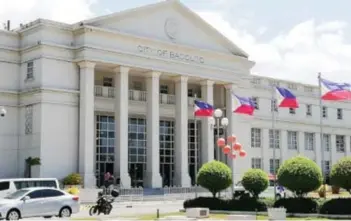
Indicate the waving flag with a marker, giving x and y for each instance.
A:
(333, 91)
(242, 105)
(203, 109)
(285, 98)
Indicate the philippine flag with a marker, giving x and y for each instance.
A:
(203, 109)
(285, 98)
(333, 91)
(243, 105)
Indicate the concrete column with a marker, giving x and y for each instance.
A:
(182, 177)
(284, 146)
(86, 124)
(318, 150)
(207, 139)
(301, 143)
(152, 177)
(333, 158)
(121, 125)
(347, 146)
(266, 151)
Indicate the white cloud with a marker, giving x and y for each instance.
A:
(299, 54)
(22, 11)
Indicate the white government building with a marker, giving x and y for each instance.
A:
(115, 94)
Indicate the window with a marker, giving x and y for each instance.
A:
(308, 89)
(276, 166)
(4, 185)
(256, 138)
(30, 70)
(256, 81)
(292, 86)
(326, 167)
(28, 124)
(163, 89)
(308, 110)
(274, 105)
(107, 82)
(36, 194)
(137, 85)
(326, 140)
(339, 113)
(274, 83)
(256, 102)
(51, 193)
(292, 140)
(276, 138)
(309, 141)
(340, 143)
(324, 112)
(35, 183)
(292, 110)
(256, 163)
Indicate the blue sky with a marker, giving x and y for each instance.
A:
(290, 40)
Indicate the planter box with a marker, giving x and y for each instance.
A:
(197, 213)
(276, 213)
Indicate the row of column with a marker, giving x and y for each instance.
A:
(152, 176)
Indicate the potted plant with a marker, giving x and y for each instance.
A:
(30, 163)
(72, 180)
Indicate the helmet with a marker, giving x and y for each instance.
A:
(114, 193)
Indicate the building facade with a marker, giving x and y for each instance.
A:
(115, 94)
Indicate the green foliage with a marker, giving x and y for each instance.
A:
(72, 179)
(298, 205)
(300, 175)
(341, 174)
(33, 161)
(255, 181)
(214, 176)
(322, 191)
(339, 206)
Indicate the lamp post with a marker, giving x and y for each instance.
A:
(217, 121)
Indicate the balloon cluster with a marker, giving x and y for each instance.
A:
(232, 147)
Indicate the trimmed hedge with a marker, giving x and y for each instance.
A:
(298, 205)
(340, 206)
(255, 181)
(246, 204)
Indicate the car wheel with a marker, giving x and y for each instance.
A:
(13, 215)
(65, 212)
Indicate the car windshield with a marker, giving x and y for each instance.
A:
(17, 194)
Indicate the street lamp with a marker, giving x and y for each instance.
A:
(218, 120)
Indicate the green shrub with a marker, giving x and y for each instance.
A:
(341, 174)
(72, 179)
(214, 176)
(298, 205)
(247, 204)
(300, 175)
(255, 181)
(339, 206)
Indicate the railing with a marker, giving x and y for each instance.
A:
(135, 95)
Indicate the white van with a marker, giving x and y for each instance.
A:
(8, 186)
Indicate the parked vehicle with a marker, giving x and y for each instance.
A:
(38, 201)
(8, 186)
(104, 203)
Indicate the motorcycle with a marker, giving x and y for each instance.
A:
(103, 204)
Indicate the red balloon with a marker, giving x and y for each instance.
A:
(221, 142)
(232, 156)
(237, 147)
(226, 149)
(242, 153)
(231, 139)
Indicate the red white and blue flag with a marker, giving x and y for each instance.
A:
(242, 105)
(333, 91)
(285, 98)
(203, 109)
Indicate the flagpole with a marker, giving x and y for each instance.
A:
(321, 125)
(195, 146)
(273, 137)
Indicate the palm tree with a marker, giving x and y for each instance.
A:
(30, 162)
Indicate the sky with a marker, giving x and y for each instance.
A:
(291, 40)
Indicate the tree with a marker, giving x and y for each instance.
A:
(300, 175)
(255, 181)
(30, 162)
(341, 174)
(214, 176)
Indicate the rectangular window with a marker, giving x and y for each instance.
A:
(309, 141)
(308, 110)
(339, 113)
(274, 105)
(340, 143)
(271, 167)
(292, 86)
(326, 166)
(308, 89)
(256, 81)
(163, 89)
(256, 138)
(256, 102)
(274, 140)
(324, 112)
(5, 185)
(326, 140)
(107, 82)
(292, 110)
(30, 70)
(256, 163)
(292, 140)
(28, 124)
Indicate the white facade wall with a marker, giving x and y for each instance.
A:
(44, 112)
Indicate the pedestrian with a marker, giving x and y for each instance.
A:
(107, 179)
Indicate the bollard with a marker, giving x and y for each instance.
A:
(158, 213)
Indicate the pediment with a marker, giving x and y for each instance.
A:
(168, 21)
